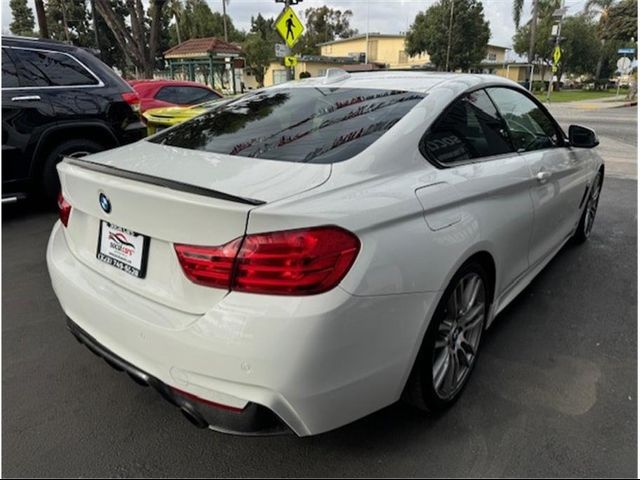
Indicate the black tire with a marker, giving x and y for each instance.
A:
(583, 231)
(50, 183)
(420, 390)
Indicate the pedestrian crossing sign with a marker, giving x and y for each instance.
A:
(289, 26)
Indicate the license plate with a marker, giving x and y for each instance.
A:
(124, 249)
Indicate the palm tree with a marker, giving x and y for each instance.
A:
(602, 8)
(176, 9)
(517, 15)
(595, 7)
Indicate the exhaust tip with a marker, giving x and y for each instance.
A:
(194, 418)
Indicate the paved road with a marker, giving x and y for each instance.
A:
(617, 129)
(554, 393)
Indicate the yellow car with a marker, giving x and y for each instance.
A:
(161, 118)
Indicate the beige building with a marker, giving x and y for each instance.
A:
(376, 47)
(314, 65)
(375, 51)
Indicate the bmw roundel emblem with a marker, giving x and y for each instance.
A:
(105, 204)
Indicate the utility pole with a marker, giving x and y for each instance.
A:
(532, 41)
(224, 19)
(366, 54)
(532, 37)
(449, 42)
(559, 13)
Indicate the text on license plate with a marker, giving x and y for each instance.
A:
(123, 249)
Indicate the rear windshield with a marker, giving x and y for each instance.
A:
(314, 125)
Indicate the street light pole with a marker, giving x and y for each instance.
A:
(449, 42)
(560, 12)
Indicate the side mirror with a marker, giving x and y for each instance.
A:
(582, 137)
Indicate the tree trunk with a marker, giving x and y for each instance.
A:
(65, 25)
(134, 43)
(156, 11)
(600, 60)
(42, 19)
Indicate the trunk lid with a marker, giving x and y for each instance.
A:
(171, 195)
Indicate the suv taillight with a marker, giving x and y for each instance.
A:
(64, 209)
(294, 262)
(133, 100)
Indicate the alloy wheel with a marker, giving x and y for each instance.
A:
(592, 205)
(458, 335)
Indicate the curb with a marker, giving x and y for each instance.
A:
(628, 104)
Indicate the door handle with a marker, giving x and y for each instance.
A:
(542, 176)
(26, 98)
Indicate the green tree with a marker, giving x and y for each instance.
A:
(600, 8)
(581, 46)
(23, 22)
(543, 47)
(69, 21)
(258, 47)
(322, 25)
(137, 34)
(197, 20)
(469, 34)
(621, 22)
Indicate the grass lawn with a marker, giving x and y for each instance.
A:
(575, 95)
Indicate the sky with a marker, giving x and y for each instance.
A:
(385, 16)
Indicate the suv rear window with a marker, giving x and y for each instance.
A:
(314, 125)
(39, 68)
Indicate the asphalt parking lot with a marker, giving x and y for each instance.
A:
(554, 393)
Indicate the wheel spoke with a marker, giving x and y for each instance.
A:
(473, 317)
(472, 290)
(452, 373)
(440, 368)
(462, 358)
(467, 348)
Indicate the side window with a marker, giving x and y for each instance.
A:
(469, 129)
(195, 95)
(37, 68)
(169, 94)
(530, 127)
(9, 74)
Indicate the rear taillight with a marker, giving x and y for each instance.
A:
(64, 209)
(295, 262)
(133, 100)
(209, 266)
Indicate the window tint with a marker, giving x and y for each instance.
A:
(316, 125)
(185, 95)
(469, 129)
(9, 75)
(529, 126)
(168, 94)
(45, 69)
(198, 95)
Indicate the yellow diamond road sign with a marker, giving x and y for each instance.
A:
(289, 26)
(557, 54)
(290, 61)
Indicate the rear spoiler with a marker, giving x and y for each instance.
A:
(161, 182)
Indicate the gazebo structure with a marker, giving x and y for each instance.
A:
(208, 60)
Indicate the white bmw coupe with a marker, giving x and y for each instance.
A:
(312, 252)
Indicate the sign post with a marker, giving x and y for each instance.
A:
(290, 28)
(557, 52)
(624, 63)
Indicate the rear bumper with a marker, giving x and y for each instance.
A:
(316, 362)
(253, 419)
